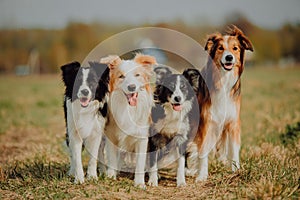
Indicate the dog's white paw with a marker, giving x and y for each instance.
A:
(181, 184)
(92, 177)
(79, 180)
(190, 172)
(153, 181)
(111, 174)
(201, 177)
(140, 185)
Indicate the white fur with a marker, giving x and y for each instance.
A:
(174, 123)
(128, 126)
(84, 85)
(177, 92)
(233, 154)
(227, 52)
(130, 76)
(86, 126)
(222, 110)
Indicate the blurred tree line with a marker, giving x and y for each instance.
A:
(76, 40)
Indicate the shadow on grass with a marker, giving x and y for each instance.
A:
(37, 169)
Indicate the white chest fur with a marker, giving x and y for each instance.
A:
(174, 121)
(223, 106)
(130, 120)
(85, 120)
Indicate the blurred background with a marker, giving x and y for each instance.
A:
(39, 36)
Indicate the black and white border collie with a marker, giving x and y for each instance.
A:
(85, 109)
(169, 132)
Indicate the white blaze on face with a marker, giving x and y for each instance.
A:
(228, 64)
(130, 76)
(133, 81)
(84, 92)
(177, 104)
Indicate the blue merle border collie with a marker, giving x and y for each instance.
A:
(169, 133)
(85, 109)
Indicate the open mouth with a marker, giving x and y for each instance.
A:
(177, 107)
(227, 66)
(84, 101)
(132, 98)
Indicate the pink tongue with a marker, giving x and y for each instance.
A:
(177, 107)
(228, 66)
(132, 99)
(84, 102)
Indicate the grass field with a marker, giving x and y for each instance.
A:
(33, 161)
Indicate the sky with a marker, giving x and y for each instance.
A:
(58, 13)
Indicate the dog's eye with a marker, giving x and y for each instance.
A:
(137, 75)
(235, 48)
(121, 76)
(182, 87)
(221, 48)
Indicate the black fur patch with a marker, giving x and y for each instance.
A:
(168, 87)
(97, 81)
(161, 144)
(157, 112)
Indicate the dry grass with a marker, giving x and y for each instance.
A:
(33, 162)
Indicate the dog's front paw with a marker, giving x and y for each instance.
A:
(181, 184)
(111, 174)
(79, 176)
(153, 180)
(140, 185)
(190, 172)
(79, 180)
(92, 177)
(201, 177)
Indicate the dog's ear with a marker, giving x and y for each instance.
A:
(69, 73)
(192, 75)
(161, 73)
(102, 70)
(244, 41)
(111, 61)
(145, 59)
(73, 66)
(211, 40)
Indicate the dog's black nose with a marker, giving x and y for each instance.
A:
(177, 99)
(131, 88)
(85, 92)
(229, 58)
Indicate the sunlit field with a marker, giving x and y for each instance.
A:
(34, 161)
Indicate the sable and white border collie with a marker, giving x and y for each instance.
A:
(171, 125)
(85, 108)
(131, 100)
(219, 99)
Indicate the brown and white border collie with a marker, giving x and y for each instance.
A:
(219, 99)
(131, 100)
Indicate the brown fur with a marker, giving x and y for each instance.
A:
(144, 60)
(237, 43)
